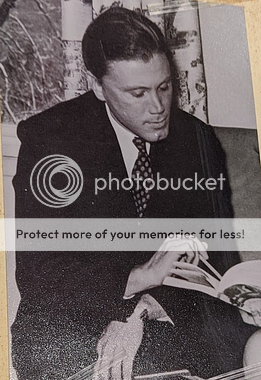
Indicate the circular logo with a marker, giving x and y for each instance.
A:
(45, 174)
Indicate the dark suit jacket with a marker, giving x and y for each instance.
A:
(68, 298)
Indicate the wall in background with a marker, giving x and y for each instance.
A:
(227, 67)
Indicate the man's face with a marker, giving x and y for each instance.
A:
(139, 95)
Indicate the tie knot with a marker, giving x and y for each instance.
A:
(140, 144)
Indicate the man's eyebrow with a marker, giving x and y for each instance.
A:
(168, 79)
(133, 88)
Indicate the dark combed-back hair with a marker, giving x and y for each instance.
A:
(120, 34)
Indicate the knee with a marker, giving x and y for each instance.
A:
(252, 352)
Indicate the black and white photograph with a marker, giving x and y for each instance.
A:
(129, 113)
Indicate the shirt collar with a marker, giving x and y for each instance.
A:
(125, 138)
(124, 135)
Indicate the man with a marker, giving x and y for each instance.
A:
(128, 125)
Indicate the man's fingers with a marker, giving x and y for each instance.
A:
(251, 319)
(119, 340)
(109, 338)
(174, 245)
(111, 351)
(255, 307)
(194, 242)
(188, 249)
(247, 318)
(103, 339)
(185, 249)
(205, 245)
(100, 345)
(201, 246)
(127, 368)
(108, 368)
(257, 319)
(99, 371)
(105, 350)
(185, 253)
(191, 257)
(115, 370)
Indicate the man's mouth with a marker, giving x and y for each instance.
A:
(158, 122)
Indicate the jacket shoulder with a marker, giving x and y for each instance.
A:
(190, 121)
(63, 119)
(188, 125)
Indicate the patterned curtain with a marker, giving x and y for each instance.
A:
(76, 16)
(182, 30)
(178, 20)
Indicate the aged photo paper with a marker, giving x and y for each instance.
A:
(217, 52)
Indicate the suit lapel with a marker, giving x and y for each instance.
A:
(176, 158)
(106, 164)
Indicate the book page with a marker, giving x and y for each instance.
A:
(241, 285)
(193, 274)
(247, 273)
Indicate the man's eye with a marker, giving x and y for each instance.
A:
(138, 93)
(165, 86)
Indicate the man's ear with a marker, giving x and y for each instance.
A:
(95, 85)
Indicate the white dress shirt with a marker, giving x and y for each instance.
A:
(125, 138)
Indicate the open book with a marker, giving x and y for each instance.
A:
(239, 284)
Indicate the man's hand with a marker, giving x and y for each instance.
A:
(153, 273)
(119, 338)
(254, 305)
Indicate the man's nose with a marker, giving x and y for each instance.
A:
(156, 104)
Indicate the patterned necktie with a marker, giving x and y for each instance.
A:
(141, 177)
